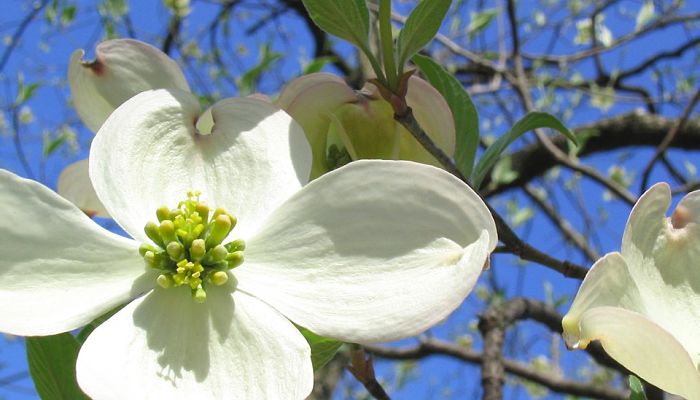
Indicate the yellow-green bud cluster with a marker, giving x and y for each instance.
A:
(188, 246)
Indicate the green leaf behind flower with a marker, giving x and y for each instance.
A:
(322, 348)
(533, 120)
(464, 113)
(347, 19)
(636, 389)
(52, 366)
(420, 28)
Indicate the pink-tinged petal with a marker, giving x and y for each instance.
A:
(642, 304)
(662, 254)
(75, 186)
(60, 270)
(165, 346)
(122, 69)
(373, 251)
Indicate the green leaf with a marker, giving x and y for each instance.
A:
(322, 348)
(52, 365)
(53, 144)
(503, 173)
(646, 13)
(583, 32)
(25, 92)
(249, 80)
(68, 15)
(636, 389)
(51, 11)
(480, 20)
(532, 120)
(87, 329)
(115, 9)
(317, 64)
(464, 113)
(347, 19)
(420, 27)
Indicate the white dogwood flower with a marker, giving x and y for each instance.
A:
(643, 303)
(373, 251)
(122, 68)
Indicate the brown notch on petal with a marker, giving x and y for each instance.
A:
(96, 66)
(680, 217)
(90, 213)
(487, 264)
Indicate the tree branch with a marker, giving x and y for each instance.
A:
(433, 347)
(632, 129)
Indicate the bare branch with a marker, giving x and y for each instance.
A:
(646, 172)
(632, 129)
(19, 32)
(432, 347)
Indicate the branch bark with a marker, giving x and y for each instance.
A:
(627, 130)
(435, 347)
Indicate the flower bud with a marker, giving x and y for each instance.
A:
(341, 123)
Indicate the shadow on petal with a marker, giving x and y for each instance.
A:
(179, 330)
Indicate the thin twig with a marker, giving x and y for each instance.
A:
(19, 32)
(662, 22)
(668, 139)
(362, 368)
(521, 88)
(562, 224)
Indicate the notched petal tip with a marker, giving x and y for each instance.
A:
(96, 66)
(680, 217)
(75, 186)
(487, 263)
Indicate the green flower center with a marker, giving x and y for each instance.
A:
(189, 249)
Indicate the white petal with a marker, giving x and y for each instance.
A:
(644, 348)
(75, 186)
(122, 69)
(647, 219)
(60, 270)
(310, 100)
(663, 261)
(687, 211)
(373, 251)
(148, 154)
(166, 346)
(608, 283)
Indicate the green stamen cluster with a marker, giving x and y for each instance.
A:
(189, 249)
